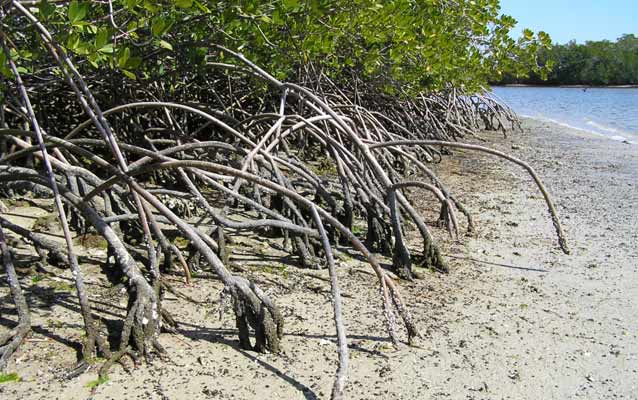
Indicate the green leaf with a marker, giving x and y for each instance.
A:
(99, 381)
(12, 377)
(183, 3)
(123, 57)
(133, 62)
(165, 44)
(83, 48)
(102, 38)
(290, 3)
(151, 6)
(131, 4)
(108, 49)
(157, 27)
(73, 41)
(4, 66)
(77, 11)
(160, 26)
(93, 60)
(46, 9)
(6, 72)
(129, 74)
(202, 7)
(277, 18)
(528, 34)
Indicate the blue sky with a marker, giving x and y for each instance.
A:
(574, 19)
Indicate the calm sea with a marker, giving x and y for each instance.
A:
(609, 112)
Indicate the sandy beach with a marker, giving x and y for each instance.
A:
(548, 325)
(514, 319)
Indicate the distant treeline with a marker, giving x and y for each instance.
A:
(593, 63)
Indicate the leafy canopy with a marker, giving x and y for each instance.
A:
(397, 46)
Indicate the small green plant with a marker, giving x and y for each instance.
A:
(97, 382)
(61, 286)
(37, 278)
(324, 167)
(52, 323)
(12, 377)
(16, 203)
(181, 242)
(45, 223)
(269, 269)
(277, 270)
(345, 257)
(95, 360)
(91, 241)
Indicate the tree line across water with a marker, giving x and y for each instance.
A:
(597, 63)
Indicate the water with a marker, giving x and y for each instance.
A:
(610, 112)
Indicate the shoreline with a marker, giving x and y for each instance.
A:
(578, 316)
(584, 131)
(574, 110)
(568, 86)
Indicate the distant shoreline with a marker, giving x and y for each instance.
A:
(570, 86)
(577, 130)
(563, 129)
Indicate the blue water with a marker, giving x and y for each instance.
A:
(609, 112)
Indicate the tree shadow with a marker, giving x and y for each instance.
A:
(112, 316)
(220, 336)
(44, 298)
(502, 265)
(199, 333)
(39, 329)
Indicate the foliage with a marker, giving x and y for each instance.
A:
(12, 377)
(91, 241)
(592, 63)
(399, 46)
(97, 382)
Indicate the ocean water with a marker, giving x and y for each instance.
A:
(609, 112)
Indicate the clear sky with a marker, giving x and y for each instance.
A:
(581, 20)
